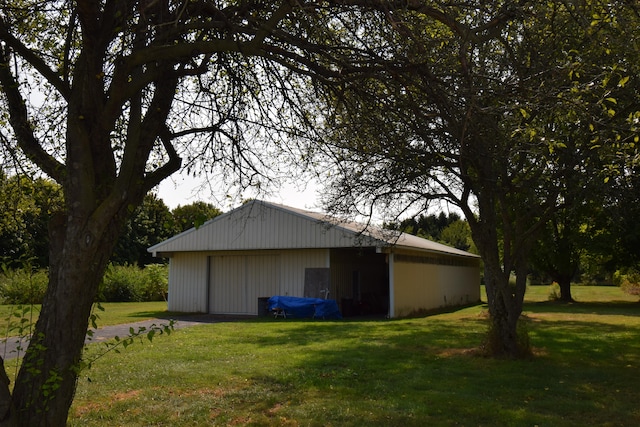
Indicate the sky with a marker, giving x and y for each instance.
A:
(181, 189)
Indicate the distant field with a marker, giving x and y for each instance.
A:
(582, 294)
(540, 293)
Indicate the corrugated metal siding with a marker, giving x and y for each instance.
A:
(294, 263)
(188, 283)
(426, 284)
(238, 279)
(256, 226)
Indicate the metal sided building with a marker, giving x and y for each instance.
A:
(232, 262)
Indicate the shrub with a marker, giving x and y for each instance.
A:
(554, 292)
(629, 281)
(132, 284)
(156, 282)
(121, 283)
(23, 286)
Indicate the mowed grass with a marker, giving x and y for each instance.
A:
(410, 372)
(15, 319)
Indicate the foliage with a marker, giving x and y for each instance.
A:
(448, 229)
(458, 235)
(151, 223)
(554, 292)
(108, 98)
(121, 284)
(510, 113)
(19, 326)
(129, 283)
(426, 226)
(156, 284)
(27, 206)
(105, 97)
(629, 281)
(194, 215)
(23, 285)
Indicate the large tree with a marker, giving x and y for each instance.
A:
(26, 206)
(110, 97)
(151, 223)
(194, 215)
(493, 107)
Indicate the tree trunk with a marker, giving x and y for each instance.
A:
(504, 300)
(7, 410)
(565, 289)
(46, 383)
(503, 335)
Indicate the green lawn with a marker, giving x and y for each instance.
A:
(14, 320)
(411, 372)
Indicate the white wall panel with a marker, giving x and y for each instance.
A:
(188, 283)
(238, 279)
(259, 226)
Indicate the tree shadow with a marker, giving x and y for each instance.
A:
(622, 308)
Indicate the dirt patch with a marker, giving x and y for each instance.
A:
(98, 406)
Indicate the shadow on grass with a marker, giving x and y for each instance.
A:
(621, 308)
(159, 314)
(404, 373)
(407, 372)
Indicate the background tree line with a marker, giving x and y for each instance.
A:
(594, 244)
(27, 206)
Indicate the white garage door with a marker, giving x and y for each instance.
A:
(237, 281)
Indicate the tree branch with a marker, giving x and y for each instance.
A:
(19, 120)
(33, 59)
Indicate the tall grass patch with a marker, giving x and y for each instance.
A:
(130, 283)
(23, 286)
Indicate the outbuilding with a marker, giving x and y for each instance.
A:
(234, 262)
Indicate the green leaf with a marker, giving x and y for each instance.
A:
(623, 81)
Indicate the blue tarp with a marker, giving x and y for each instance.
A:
(305, 307)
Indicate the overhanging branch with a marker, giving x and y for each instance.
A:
(19, 120)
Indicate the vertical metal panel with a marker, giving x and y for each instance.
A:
(257, 226)
(228, 284)
(426, 286)
(263, 279)
(187, 282)
(238, 279)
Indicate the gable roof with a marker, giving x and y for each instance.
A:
(260, 225)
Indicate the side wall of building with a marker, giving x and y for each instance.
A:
(230, 282)
(423, 283)
(188, 283)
